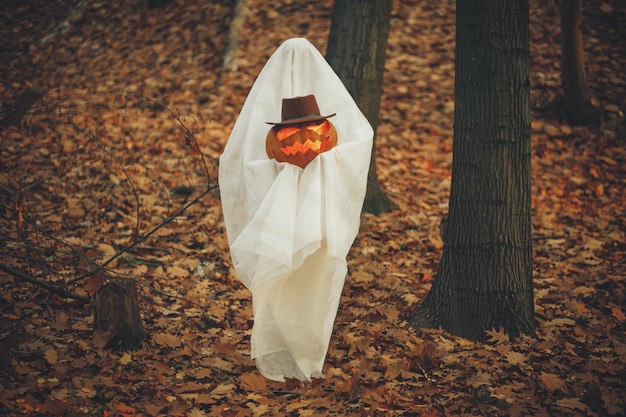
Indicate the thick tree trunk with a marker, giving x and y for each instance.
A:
(576, 104)
(356, 51)
(116, 310)
(485, 276)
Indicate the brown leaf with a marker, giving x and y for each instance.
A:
(516, 358)
(572, 403)
(167, 340)
(497, 336)
(60, 321)
(552, 382)
(191, 387)
(155, 409)
(253, 381)
(51, 356)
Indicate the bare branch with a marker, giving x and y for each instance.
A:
(98, 143)
(159, 226)
(45, 285)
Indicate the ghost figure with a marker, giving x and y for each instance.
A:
(290, 228)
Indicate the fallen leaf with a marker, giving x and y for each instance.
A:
(618, 314)
(497, 336)
(51, 356)
(167, 340)
(572, 403)
(552, 382)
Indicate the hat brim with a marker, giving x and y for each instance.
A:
(301, 120)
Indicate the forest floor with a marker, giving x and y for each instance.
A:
(108, 151)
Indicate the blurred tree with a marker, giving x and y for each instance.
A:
(484, 279)
(153, 4)
(576, 104)
(356, 51)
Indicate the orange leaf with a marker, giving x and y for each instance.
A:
(618, 314)
(599, 190)
(582, 308)
(20, 218)
(124, 410)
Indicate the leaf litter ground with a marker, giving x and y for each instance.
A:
(101, 157)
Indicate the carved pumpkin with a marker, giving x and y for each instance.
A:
(299, 143)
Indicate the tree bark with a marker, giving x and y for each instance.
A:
(576, 104)
(357, 43)
(484, 279)
(116, 310)
(234, 35)
(74, 15)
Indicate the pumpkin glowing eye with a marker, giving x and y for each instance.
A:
(285, 132)
(321, 128)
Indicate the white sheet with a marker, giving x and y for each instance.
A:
(290, 229)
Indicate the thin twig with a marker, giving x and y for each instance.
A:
(98, 143)
(176, 297)
(137, 239)
(45, 285)
(156, 228)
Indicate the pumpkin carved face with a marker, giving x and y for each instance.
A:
(299, 143)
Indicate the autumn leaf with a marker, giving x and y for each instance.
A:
(191, 387)
(430, 413)
(552, 382)
(572, 403)
(126, 358)
(618, 314)
(516, 358)
(196, 412)
(253, 382)
(124, 410)
(155, 409)
(51, 356)
(167, 340)
(497, 336)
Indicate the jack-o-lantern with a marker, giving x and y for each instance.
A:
(302, 134)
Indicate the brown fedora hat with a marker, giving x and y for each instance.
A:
(300, 109)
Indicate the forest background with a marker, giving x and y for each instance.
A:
(131, 94)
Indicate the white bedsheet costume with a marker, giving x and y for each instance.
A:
(290, 229)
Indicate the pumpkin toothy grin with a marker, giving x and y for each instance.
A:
(298, 147)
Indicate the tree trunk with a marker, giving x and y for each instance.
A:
(484, 279)
(576, 103)
(234, 35)
(356, 51)
(116, 310)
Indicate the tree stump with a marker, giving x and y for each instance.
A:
(25, 101)
(116, 310)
